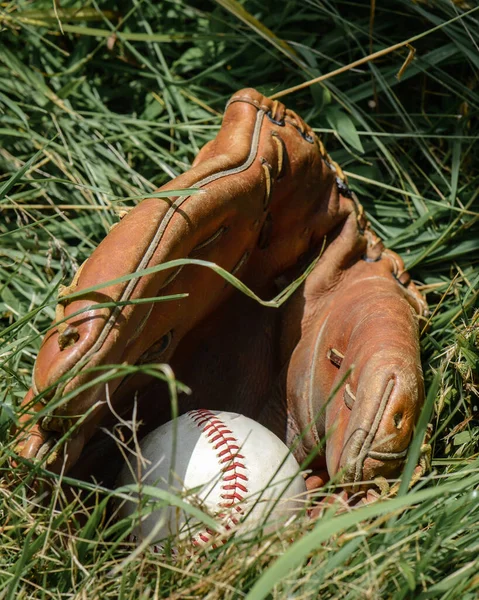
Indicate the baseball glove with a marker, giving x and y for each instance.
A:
(336, 367)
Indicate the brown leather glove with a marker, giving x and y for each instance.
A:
(271, 199)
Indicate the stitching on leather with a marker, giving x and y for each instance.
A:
(422, 309)
(210, 240)
(387, 455)
(335, 356)
(240, 263)
(156, 241)
(365, 448)
(394, 262)
(274, 108)
(140, 327)
(312, 366)
(372, 241)
(280, 153)
(268, 181)
(255, 103)
(349, 397)
(234, 481)
(172, 277)
(295, 120)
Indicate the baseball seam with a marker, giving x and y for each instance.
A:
(234, 479)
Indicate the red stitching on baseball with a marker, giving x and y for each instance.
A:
(226, 459)
(235, 465)
(235, 485)
(228, 451)
(234, 496)
(234, 476)
(219, 435)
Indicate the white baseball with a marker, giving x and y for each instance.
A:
(244, 473)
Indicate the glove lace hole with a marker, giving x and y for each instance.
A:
(306, 136)
(335, 356)
(154, 353)
(273, 120)
(343, 188)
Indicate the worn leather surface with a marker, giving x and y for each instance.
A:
(270, 198)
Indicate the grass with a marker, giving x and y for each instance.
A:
(102, 103)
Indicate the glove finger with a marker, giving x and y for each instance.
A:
(30, 436)
(372, 417)
(359, 334)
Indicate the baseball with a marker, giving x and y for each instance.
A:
(241, 473)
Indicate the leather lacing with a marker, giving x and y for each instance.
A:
(267, 181)
(280, 153)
